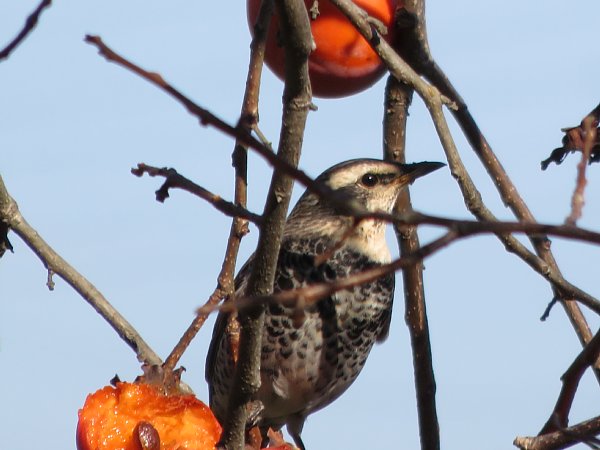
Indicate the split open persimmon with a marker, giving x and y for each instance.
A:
(117, 417)
(343, 62)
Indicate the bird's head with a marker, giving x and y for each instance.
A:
(371, 184)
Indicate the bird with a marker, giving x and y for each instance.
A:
(307, 364)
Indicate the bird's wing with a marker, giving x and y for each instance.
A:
(387, 320)
(213, 347)
(295, 268)
(388, 285)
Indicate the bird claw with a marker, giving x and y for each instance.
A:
(254, 410)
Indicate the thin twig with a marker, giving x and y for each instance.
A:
(589, 125)
(175, 180)
(191, 332)
(30, 24)
(54, 263)
(531, 229)
(559, 418)
(240, 133)
(314, 292)
(497, 227)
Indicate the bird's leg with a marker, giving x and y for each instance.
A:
(295, 424)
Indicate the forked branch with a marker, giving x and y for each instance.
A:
(175, 180)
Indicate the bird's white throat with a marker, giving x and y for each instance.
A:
(369, 239)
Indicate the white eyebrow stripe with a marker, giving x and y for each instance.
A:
(349, 175)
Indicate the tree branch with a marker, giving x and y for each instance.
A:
(54, 263)
(174, 180)
(559, 418)
(240, 133)
(30, 24)
(567, 437)
(297, 41)
(589, 126)
(398, 97)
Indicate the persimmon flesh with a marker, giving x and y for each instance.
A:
(343, 62)
(109, 418)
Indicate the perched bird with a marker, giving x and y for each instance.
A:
(307, 364)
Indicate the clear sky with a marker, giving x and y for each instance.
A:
(72, 126)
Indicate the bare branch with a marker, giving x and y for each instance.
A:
(240, 133)
(10, 214)
(297, 97)
(497, 227)
(589, 126)
(398, 97)
(174, 180)
(30, 24)
(559, 418)
(190, 333)
(583, 432)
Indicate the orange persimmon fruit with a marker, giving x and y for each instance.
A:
(343, 62)
(117, 418)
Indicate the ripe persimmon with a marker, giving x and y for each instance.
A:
(129, 415)
(343, 62)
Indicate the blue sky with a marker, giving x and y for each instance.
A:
(72, 126)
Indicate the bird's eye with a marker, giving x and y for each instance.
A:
(369, 180)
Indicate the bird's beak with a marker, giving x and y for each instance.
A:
(416, 170)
